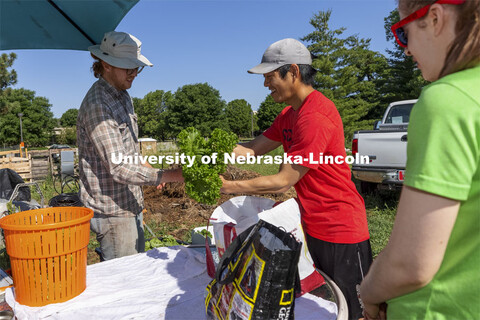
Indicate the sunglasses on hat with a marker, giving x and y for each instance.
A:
(398, 30)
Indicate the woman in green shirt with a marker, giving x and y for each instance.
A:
(430, 267)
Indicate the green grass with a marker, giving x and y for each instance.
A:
(381, 209)
(48, 191)
(161, 229)
(262, 168)
(50, 187)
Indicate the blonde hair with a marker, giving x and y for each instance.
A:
(464, 52)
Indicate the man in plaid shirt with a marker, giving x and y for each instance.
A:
(107, 128)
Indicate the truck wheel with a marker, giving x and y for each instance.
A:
(368, 187)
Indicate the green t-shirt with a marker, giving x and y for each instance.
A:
(443, 158)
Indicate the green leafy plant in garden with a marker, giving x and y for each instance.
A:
(205, 233)
(166, 241)
(202, 181)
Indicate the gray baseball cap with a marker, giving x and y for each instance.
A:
(280, 53)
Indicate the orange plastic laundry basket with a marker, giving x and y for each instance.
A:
(48, 253)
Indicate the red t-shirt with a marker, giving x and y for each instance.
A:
(332, 210)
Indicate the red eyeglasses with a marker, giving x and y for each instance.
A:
(398, 30)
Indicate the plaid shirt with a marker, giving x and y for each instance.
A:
(106, 126)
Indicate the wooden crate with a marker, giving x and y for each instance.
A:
(22, 166)
(43, 162)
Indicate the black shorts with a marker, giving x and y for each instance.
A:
(346, 264)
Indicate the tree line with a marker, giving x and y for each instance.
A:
(360, 82)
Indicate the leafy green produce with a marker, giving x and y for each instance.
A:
(166, 241)
(202, 181)
(205, 233)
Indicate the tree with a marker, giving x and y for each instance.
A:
(402, 79)
(358, 93)
(68, 136)
(37, 120)
(240, 118)
(196, 105)
(69, 118)
(268, 111)
(7, 78)
(349, 72)
(151, 112)
(327, 49)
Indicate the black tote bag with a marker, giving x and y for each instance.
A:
(257, 277)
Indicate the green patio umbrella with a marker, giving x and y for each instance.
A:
(58, 24)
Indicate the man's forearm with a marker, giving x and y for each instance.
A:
(260, 185)
(135, 174)
(243, 150)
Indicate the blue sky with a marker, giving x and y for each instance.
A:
(199, 41)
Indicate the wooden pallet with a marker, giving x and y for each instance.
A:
(22, 166)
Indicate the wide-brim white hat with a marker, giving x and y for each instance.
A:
(121, 50)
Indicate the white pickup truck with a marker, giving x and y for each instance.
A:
(386, 147)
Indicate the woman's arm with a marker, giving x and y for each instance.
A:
(415, 250)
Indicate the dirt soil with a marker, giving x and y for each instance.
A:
(173, 208)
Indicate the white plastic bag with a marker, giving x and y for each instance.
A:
(239, 213)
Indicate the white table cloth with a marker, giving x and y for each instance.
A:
(163, 283)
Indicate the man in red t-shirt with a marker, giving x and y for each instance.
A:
(311, 132)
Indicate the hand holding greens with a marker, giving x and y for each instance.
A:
(202, 181)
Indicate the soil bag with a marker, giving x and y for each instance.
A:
(237, 214)
(257, 276)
